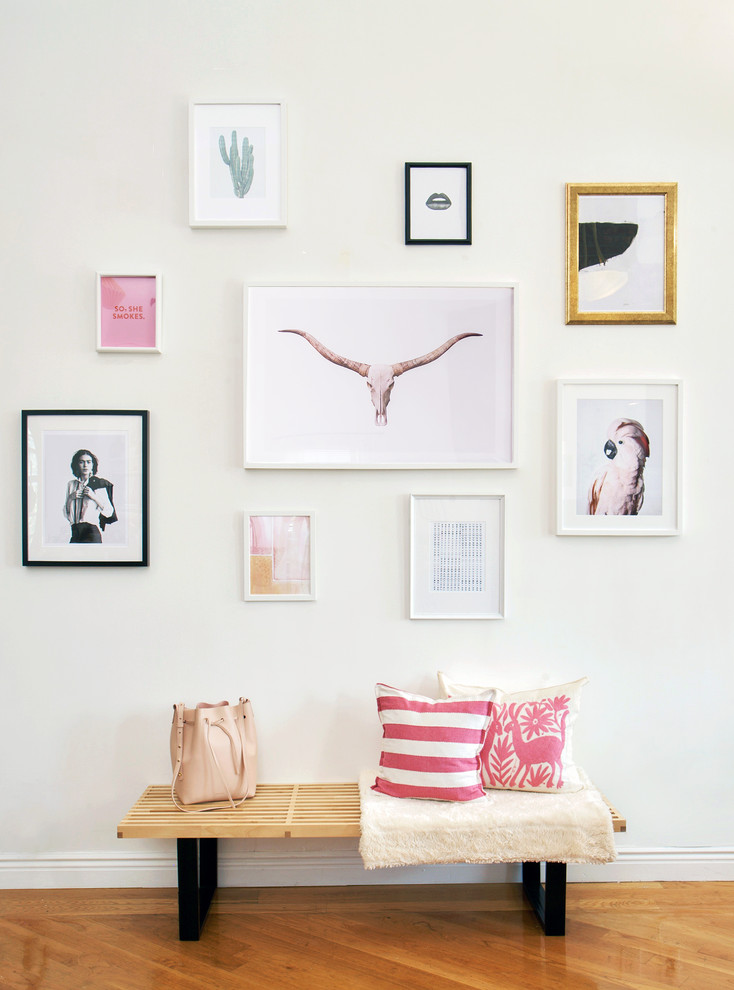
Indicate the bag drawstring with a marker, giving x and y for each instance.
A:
(213, 755)
(220, 725)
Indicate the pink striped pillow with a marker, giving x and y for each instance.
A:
(430, 749)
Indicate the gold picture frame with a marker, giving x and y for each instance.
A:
(621, 252)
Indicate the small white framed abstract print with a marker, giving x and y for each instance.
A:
(279, 557)
(457, 556)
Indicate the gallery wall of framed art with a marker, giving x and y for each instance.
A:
(208, 221)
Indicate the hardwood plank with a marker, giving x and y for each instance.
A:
(471, 948)
(103, 959)
(404, 897)
(313, 958)
(420, 937)
(91, 901)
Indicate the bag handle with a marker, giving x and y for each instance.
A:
(177, 772)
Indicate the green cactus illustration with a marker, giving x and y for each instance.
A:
(240, 169)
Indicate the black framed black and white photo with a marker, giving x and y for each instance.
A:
(85, 487)
(438, 203)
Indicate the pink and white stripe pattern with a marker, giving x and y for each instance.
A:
(430, 749)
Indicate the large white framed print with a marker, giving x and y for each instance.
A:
(457, 556)
(380, 376)
(237, 165)
(619, 460)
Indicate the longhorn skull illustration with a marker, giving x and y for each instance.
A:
(380, 378)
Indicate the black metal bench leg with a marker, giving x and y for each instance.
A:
(555, 898)
(197, 881)
(549, 903)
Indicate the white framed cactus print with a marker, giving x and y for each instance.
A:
(237, 165)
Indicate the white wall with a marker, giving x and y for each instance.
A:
(95, 178)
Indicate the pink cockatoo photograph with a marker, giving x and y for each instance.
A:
(619, 487)
(619, 457)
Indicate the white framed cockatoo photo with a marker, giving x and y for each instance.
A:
(618, 458)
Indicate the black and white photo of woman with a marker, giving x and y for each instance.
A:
(89, 505)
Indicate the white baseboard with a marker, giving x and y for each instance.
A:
(304, 868)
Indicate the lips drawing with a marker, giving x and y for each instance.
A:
(438, 201)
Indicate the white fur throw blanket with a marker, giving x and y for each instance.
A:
(504, 827)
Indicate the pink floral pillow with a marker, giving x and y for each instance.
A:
(528, 746)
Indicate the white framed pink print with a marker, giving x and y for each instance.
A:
(279, 557)
(129, 312)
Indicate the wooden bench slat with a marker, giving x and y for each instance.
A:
(619, 823)
(276, 811)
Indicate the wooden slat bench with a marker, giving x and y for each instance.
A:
(288, 811)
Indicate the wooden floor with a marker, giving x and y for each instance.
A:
(399, 938)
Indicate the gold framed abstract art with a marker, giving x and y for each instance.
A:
(621, 252)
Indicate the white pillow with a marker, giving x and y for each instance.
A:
(528, 746)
